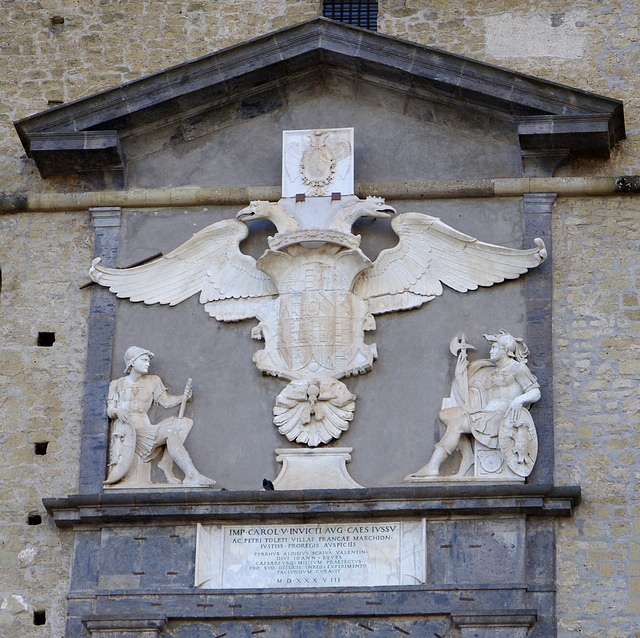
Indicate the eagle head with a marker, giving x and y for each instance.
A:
(258, 209)
(370, 207)
(261, 209)
(376, 207)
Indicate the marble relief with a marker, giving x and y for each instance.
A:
(486, 416)
(314, 291)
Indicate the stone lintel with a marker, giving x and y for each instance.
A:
(111, 627)
(495, 623)
(415, 600)
(305, 505)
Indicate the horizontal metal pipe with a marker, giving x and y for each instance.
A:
(241, 196)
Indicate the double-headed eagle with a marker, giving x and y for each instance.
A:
(315, 292)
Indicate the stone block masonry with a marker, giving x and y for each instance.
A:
(43, 259)
(597, 431)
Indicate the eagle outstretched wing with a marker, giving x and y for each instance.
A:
(429, 254)
(211, 263)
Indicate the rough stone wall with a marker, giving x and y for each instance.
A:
(597, 367)
(593, 46)
(42, 258)
(102, 43)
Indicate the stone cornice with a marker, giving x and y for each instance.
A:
(211, 506)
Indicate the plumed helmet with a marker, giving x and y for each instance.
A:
(132, 354)
(515, 348)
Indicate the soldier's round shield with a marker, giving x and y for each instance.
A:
(519, 443)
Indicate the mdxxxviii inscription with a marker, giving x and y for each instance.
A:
(314, 555)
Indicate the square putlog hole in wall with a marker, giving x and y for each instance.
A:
(39, 617)
(40, 448)
(46, 339)
(34, 519)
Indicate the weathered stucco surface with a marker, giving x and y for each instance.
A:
(596, 309)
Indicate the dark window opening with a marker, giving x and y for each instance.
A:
(361, 13)
(46, 339)
(34, 519)
(39, 617)
(41, 448)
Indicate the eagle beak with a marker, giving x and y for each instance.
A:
(386, 212)
(245, 214)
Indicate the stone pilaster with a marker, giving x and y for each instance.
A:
(538, 297)
(95, 423)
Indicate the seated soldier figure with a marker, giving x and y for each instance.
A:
(132, 433)
(484, 394)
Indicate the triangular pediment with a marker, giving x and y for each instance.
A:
(256, 77)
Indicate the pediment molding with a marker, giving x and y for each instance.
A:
(84, 135)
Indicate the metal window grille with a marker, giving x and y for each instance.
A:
(362, 13)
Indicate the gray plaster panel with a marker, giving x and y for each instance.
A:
(388, 146)
(233, 437)
(151, 557)
(476, 551)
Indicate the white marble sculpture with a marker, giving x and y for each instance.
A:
(317, 162)
(314, 292)
(487, 414)
(135, 441)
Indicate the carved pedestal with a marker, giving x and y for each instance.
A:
(314, 469)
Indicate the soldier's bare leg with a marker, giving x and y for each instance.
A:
(455, 419)
(173, 435)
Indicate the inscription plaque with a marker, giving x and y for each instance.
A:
(310, 555)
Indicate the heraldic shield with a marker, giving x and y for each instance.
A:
(519, 443)
(314, 335)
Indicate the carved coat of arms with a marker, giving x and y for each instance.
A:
(314, 291)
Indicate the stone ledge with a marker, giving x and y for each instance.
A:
(63, 153)
(581, 135)
(495, 624)
(208, 505)
(464, 602)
